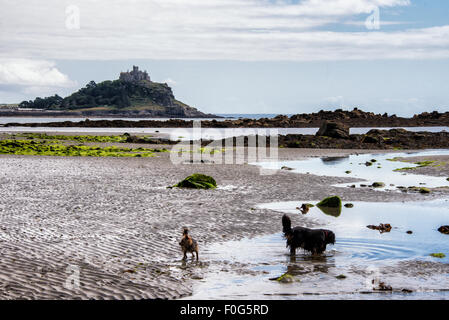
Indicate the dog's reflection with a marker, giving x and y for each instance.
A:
(305, 264)
(185, 263)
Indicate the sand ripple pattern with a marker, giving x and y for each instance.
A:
(115, 220)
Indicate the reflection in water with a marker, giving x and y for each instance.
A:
(334, 212)
(305, 264)
(334, 160)
(347, 269)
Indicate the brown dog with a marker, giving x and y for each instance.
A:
(188, 244)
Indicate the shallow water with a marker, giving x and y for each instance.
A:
(242, 269)
(4, 120)
(245, 269)
(184, 134)
(379, 171)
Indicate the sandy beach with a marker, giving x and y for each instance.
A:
(113, 221)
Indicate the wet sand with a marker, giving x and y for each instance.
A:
(114, 220)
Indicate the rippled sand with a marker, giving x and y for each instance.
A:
(113, 221)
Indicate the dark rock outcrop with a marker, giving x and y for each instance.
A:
(334, 130)
(353, 119)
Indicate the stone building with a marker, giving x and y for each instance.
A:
(135, 75)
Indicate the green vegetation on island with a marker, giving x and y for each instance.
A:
(132, 94)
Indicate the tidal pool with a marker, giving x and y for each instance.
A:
(243, 269)
(354, 166)
(361, 258)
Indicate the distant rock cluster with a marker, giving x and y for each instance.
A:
(338, 121)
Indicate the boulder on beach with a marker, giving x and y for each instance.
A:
(197, 181)
(334, 130)
(378, 185)
(370, 139)
(331, 202)
(424, 190)
(330, 206)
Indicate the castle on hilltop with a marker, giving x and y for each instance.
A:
(134, 75)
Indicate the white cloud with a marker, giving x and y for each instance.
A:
(213, 29)
(32, 74)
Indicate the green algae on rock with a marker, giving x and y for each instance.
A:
(330, 206)
(438, 255)
(424, 190)
(378, 185)
(78, 138)
(197, 181)
(40, 148)
(285, 278)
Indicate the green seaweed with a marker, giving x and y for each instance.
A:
(78, 138)
(420, 164)
(424, 190)
(42, 148)
(285, 278)
(197, 181)
(330, 206)
(425, 163)
(378, 185)
(438, 255)
(405, 169)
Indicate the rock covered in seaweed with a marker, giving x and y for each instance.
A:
(197, 181)
(330, 206)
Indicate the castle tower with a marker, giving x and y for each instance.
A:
(135, 75)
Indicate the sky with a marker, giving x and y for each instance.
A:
(236, 56)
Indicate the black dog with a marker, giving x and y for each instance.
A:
(311, 240)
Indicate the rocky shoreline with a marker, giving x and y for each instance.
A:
(394, 139)
(355, 118)
(105, 114)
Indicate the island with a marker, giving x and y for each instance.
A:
(133, 94)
